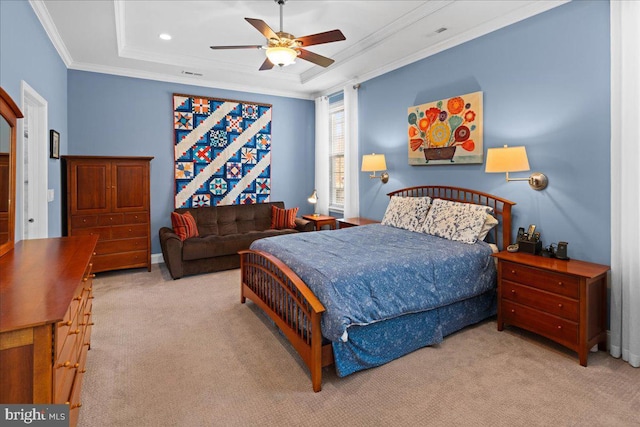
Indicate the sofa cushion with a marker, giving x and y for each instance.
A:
(213, 246)
(283, 218)
(184, 225)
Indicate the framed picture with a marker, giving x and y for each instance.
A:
(447, 131)
(54, 137)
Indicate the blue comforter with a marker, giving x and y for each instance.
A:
(366, 274)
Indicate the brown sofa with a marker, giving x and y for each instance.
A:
(223, 231)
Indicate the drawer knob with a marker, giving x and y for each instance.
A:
(513, 310)
(77, 331)
(75, 366)
(513, 291)
(91, 324)
(75, 405)
(560, 306)
(560, 284)
(67, 323)
(78, 298)
(64, 365)
(559, 326)
(84, 220)
(83, 371)
(513, 272)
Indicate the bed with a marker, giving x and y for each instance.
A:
(362, 296)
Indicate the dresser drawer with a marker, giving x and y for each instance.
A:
(136, 218)
(558, 283)
(541, 300)
(110, 219)
(83, 221)
(561, 330)
(103, 233)
(127, 231)
(121, 260)
(121, 245)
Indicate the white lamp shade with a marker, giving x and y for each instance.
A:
(507, 159)
(373, 162)
(281, 55)
(313, 198)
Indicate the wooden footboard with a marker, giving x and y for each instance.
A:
(284, 297)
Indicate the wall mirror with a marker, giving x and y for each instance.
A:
(10, 114)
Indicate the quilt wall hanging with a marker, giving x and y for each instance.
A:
(448, 131)
(222, 151)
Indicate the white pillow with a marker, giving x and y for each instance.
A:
(406, 212)
(455, 220)
(489, 223)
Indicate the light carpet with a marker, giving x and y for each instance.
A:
(188, 353)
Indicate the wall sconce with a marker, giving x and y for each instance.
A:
(514, 159)
(373, 163)
(313, 199)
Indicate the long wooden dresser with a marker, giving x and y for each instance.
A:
(45, 321)
(109, 197)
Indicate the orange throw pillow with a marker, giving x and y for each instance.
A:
(283, 218)
(184, 225)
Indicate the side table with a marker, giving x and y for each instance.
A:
(355, 221)
(320, 221)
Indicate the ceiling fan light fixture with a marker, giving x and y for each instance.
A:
(281, 56)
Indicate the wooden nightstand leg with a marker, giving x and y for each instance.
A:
(584, 356)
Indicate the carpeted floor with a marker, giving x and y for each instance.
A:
(187, 353)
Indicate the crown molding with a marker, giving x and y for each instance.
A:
(193, 81)
(44, 17)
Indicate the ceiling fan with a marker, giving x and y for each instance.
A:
(283, 48)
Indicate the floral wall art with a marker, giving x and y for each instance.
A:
(222, 151)
(448, 131)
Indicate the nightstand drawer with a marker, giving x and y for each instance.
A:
(555, 328)
(558, 283)
(551, 303)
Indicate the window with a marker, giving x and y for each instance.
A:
(336, 154)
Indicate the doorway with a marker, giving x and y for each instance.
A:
(33, 151)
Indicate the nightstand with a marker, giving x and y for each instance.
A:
(565, 301)
(355, 221)
(320, 221)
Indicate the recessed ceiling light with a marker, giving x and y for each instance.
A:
(165, 36)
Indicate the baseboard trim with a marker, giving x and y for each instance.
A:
(157, 258)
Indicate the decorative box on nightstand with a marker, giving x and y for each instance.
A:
(564, 301)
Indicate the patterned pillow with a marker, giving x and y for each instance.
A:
(455, 220)
(406, 212)
(184, 225)
(283, 218)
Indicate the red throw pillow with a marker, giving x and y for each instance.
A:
(283, 218)
(184, 225)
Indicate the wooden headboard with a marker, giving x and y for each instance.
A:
(501, 207)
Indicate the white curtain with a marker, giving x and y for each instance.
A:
(322, 155)
(351, 156)
(625, 181)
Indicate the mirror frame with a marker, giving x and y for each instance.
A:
(11, 113)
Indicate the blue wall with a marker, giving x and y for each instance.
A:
(546, 85)
(122, 116)
(26, 53)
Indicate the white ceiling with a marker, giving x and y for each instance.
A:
(121, 37)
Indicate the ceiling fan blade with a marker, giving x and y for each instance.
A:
(266, 65)
(320, 38)
(262, 26)
(256, 46)
(323, 61)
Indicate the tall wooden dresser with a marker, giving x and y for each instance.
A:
(109, 197)
(45, 321)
